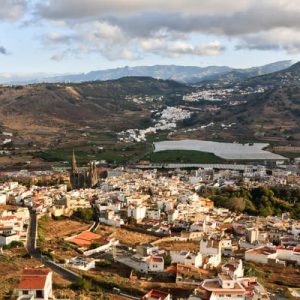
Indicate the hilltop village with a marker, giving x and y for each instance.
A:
(156, 233)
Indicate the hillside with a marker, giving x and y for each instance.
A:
(289, 76)
(49, 120)
(42, 111)
(273, 115)
(241, 75)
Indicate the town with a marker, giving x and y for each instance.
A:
(153, 233)
(149, 150)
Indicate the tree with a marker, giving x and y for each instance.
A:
(167, 260)
(85, 214)
(236, 204)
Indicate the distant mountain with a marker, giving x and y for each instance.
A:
(287, 77)
(185, 74)
(238, 75)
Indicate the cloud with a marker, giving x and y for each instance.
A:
(12, 10)
(78, 9)
(277, 39)
(178, 48)
(3, 50)
(119, 29)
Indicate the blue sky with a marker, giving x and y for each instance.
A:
(70, 36)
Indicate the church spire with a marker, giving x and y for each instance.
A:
(74, 163)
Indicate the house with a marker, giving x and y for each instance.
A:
(230, 284)
(35, 282)
(288, 254)
(227, 247)
(8, 237)
(260, 255)
(2, 199)
(149, 264)
(296, 230)
(156, 264)
(223, 287)
(211, 250)
(234, 268)
(109, 217)
(136, 212)
(186, 258)
(157, 295)
(210, 247)
(85, 239)
(254, 236)
(172, 215)
(146, 249)
(82, 263)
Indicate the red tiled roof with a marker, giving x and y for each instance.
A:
(86, 238)
(155, 259)
(32, 283)
(34, 279)
(156, 294)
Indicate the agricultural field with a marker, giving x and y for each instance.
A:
(112, 153)
(126, 237)
(53, 229)
(52, 233)
(183, 156)
(178, 246)
(229, 151)
(275, 278)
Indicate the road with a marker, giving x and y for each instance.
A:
(34, 252)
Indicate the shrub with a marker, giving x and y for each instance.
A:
(13, 244)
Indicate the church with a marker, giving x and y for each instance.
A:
(83, 177)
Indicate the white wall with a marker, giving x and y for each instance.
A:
(2, 199)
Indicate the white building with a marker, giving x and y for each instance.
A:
(186, 258)
(230, 284)
(136, 212)
(211, 249)
(296, 230)
(7, 238)
(2, 199)
(156, 264)
(82, 263)
(36, 282)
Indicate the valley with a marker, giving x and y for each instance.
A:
(117, 121)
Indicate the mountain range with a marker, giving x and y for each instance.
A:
(50, 113)
(185, 74)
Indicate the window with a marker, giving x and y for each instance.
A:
(39, 294)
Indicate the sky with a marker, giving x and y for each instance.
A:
(72, 36)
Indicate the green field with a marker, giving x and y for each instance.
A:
(183, 156)
(116, 154)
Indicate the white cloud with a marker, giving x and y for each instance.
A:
(178, 48)
(12, 10)
(129, 29)
(279, 38)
